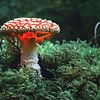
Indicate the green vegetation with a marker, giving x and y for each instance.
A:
(75, 70)
(76, 18)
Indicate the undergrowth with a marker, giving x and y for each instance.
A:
(71, 71)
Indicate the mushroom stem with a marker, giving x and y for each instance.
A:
(29, 56)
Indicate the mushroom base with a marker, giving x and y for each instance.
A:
(29, 57)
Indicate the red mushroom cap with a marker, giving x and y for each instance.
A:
(26, 27)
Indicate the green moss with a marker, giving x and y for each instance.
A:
(76, 74)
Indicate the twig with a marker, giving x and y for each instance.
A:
(95, 33)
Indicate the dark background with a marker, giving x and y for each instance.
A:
(77, 18)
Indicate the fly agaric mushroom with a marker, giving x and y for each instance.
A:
(30, 31)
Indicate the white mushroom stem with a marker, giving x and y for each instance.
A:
(29, 56)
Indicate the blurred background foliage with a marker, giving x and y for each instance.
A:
(76, 18)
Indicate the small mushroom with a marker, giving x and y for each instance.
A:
(30, 31)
